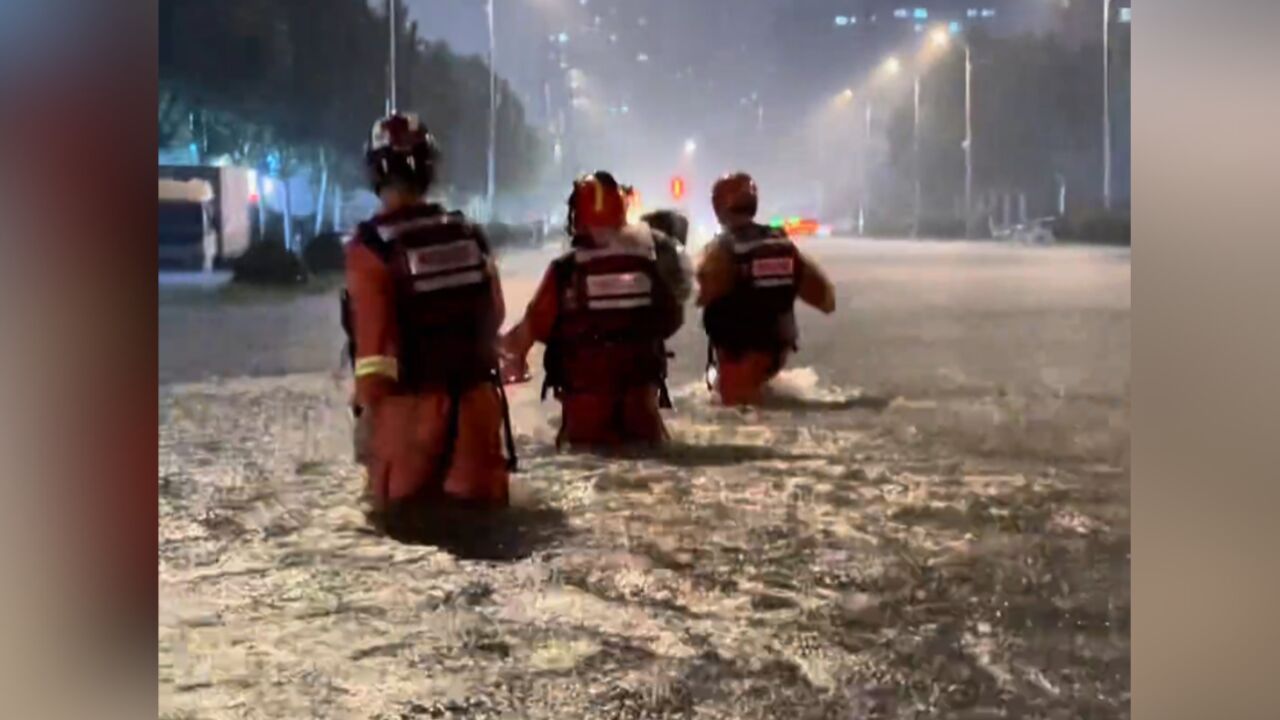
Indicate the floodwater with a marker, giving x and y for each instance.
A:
(931, 520)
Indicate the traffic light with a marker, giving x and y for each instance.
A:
(677, 187)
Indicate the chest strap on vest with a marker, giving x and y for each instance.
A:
(664, 393)
(348, 329)
(513, 461)
(452, 422)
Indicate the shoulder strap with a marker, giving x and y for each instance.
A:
(562, 269)
(366, 233)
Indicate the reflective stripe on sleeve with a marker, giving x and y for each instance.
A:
(378, 365)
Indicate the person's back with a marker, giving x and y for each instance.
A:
(749, 278)
(425, 306)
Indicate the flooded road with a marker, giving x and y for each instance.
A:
(932, 520)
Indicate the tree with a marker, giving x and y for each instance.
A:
(299, 82)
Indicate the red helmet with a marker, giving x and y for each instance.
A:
(597, 201)
(400, 147)
(736, 194)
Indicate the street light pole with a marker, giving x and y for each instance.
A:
(493, 115)
(866, 167)
(915, 137)
(1106, 104)
(391, 63)
(968, 141)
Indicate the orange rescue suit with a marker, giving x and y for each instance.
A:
(748, 281)
(603, 310)
(426, 304)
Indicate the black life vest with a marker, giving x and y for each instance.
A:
(614, 312)
(758, 313)
(445, 314)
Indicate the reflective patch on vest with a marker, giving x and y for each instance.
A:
(587, 254)
(449, 280)
(773, 267)
(774, 282)
(391, 232)
(447, 257)
(632, 283)
(773, 272)
(742, 247)
(619, 303)
(619, 291)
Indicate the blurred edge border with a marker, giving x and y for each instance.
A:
(1206, 110)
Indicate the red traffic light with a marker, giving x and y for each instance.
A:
(677, 188)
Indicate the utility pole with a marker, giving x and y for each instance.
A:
(968, 141)
(493, 115)
(1106, 104)
(391, 64)
(866, 174)
(915, 137)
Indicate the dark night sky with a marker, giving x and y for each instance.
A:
(701, 68)
(699, 32)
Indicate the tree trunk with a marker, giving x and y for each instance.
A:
(259, 188)
(196, 156)
(288, 213)
(337, 207)
(324, 189)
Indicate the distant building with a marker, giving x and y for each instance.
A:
(1079, 22)
(852, 36)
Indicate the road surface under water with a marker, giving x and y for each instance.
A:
(931, 521)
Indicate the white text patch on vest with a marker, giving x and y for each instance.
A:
(442, 258)
(451, 280)
(616, 284)
(773, 267)
(619, 303)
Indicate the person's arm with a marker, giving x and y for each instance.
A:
(814, 287)
(369, 286)
(538, 321)
(714, 274)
